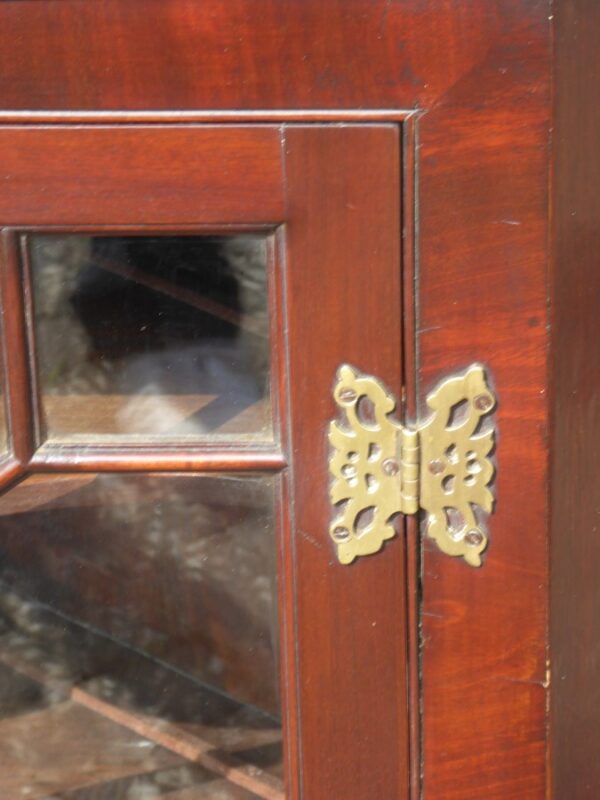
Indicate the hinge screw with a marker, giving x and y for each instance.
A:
(437, 466)
(347, 395)
(474, 538)
(341, 533)
(390, 467)
(482, 402)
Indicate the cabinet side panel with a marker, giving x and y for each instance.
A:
(343, 273)
(575, 534)
(483, 252)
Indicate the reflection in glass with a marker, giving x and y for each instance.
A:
(138, 637)
(151, 335)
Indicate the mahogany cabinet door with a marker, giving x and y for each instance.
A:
(177, 300)
(500, 245)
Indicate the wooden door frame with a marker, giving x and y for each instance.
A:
(331, 194)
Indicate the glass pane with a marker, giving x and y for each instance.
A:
(138, 638)
(153, 336)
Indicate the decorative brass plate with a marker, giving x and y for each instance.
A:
(381, 468)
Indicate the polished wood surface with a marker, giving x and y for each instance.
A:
(483, 235)
(478, 76)
(351, 629)
(152, 458)
(575, 365)
(354, 172)
(148, 181)
(264, 54)
(140, 176)
(15, 358)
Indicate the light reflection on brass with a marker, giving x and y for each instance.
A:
(449, 445)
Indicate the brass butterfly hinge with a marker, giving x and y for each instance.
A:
(381, 468)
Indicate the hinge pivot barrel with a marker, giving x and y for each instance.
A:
(409, 461)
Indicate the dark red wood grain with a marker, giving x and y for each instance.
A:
(478, 75)
(343, 212)
(59, 457)
(14, 355)
(575, 363)
(139, 175)
(63, 54)
(483, 233)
